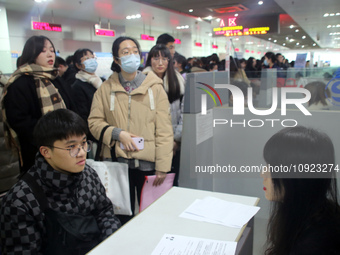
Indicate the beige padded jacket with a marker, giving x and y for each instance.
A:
(144, 112)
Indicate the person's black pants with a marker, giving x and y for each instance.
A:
(136, 181)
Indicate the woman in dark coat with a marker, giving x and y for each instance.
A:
(33, 90)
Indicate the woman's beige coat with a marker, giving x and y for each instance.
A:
(144, 112)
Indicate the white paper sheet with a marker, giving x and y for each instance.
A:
(219, 211)
(204, 129)
(185, 245)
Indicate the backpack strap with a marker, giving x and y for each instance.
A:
(100, 143)
(38, 192)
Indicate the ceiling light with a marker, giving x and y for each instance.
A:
(331, 14)
(236, 14)
(269, 39)
(326, 15)
(302, 46)
(236, 39)
(297, 43)
(210, 34)
(275, 40)
(297, 30)
(329, 26)
(186, 26)
(304, 37)
(291, 26)
(287, 38)
(314, 44)
(337, 14)
(191, 10)
(260, 3)
(209, 18)
(291, 40)
(199, 19)
(218, 19)
(284, 44)
(137, 16)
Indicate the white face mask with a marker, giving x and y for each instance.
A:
(130, 63)
(90, 65)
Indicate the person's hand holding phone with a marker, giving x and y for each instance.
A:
(125, 139)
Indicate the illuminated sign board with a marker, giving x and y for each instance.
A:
(104, 32)
(232, 26)
(198, 44)
(214, 46)
(46, 26)
(178, 41)
(147, 37)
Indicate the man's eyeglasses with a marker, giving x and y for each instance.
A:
(75, 149)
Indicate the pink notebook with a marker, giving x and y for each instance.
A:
(151, 193)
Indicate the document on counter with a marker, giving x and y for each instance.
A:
(185, 245)
(218, 211)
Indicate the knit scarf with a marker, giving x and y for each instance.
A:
(93, 79)
(48, 96)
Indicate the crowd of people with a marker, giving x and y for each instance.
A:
(54, 110)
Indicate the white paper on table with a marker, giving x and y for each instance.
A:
(220, 211)
(185, 245)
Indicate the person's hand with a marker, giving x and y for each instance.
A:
(125, 138)
(160, 176)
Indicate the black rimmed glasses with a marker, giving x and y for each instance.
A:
(75, 149)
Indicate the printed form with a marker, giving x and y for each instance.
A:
(184, 245)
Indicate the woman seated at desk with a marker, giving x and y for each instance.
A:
(305, 211)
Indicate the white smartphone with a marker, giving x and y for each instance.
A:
(139, 141)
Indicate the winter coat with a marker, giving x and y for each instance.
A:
(144, 112)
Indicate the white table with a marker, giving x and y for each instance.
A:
(141, 234)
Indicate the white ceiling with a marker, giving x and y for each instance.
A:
(308, 14)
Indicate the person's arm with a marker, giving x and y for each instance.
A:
(164, 137)
(81, 100)
(22, 106)
(97, 119)
(107, 222)
(178, 127)
(19, 230)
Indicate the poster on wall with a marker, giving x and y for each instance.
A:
(300, 61)
(104, 60)
(144, 56)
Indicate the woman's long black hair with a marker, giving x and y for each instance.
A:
(303, 199)
(160, 50)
